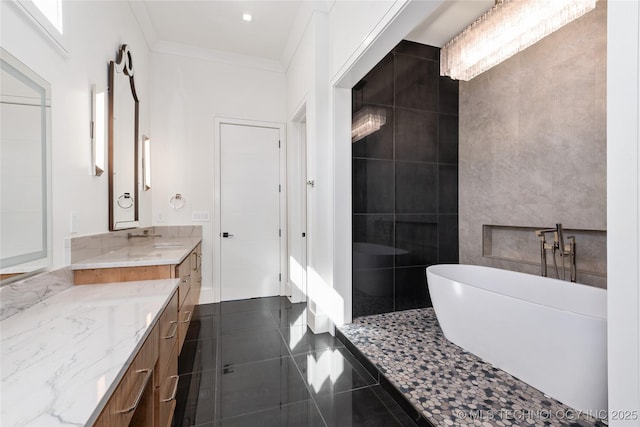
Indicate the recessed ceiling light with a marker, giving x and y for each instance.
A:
(247, 17)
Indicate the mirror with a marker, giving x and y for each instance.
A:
(123, 143)
(25, 165)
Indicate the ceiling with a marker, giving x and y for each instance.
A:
(216, 26)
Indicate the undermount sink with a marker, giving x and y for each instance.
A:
(144, 255)
(167, 245)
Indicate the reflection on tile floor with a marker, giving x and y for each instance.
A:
(254, 362)
(447, 385)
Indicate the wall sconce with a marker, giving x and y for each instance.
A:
(507, 28)
(97, 129)
(146, 162)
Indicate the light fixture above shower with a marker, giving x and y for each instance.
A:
(509, 27)
(367, 119)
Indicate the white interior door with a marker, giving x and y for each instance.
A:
(249, 211)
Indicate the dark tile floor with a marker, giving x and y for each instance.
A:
(254, 362)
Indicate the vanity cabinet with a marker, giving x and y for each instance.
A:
(189, 271)
(185, 302)
(133, 401)
(167, 366)
(146, 395)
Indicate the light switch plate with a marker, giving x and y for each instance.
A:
(200, 216)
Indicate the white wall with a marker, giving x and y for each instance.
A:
(623, 210)
(336, 50)
(94, 32)
(188, 93)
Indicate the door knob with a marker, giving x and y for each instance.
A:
(226, 235)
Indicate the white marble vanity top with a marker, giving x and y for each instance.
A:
(140, 254)
(63, 357)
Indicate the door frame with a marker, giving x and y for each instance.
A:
(217, 210)
(299, 206)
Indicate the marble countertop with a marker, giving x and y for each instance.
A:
(62, 358)
(153, 252)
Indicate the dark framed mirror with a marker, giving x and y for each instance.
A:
(123, 143)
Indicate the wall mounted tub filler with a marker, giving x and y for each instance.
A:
(565, 250)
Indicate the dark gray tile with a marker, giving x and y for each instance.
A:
(253, 304)
(416, 188)
(411, 288)
(295, 315)
(448, 248)
(301, 340)
(195, 399)
(416, 83)
(448, 95)
(448, 139)
(372, 186)
(261, 385)
(197, 355)
(377, 85)
(356, 408)
(231, 323)
(373, 241)
(379, 144)
(202, 327)
(416, 240)
(300, 414)
(416, 135)
(332, 371)
(397, 410)
(372, 291)
(252, 346)
(448, 189)
(206, 310)
(417, 49)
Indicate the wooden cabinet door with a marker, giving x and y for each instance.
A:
(196, 273)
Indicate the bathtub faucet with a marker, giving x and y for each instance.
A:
(566, 251)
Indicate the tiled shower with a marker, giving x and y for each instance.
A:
(405, 181)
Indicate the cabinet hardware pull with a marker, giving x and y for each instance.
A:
(133, 407)
(175, 389)
(174, 325)
(189, 319)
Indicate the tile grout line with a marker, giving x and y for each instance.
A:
(315, 404)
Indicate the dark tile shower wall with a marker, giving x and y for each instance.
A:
(405, 181)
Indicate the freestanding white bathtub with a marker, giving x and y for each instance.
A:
(548, 333)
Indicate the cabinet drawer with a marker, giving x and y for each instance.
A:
(168, 329)
(183, 290)
(169, 390)
(133, 399)
(183, 271)
(184, 319)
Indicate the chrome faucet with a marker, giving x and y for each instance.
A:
(145, 233)
(558, 245)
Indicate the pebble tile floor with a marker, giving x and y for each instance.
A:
(255, 363)
(445, 384)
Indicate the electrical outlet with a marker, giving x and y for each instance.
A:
(73, 223)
